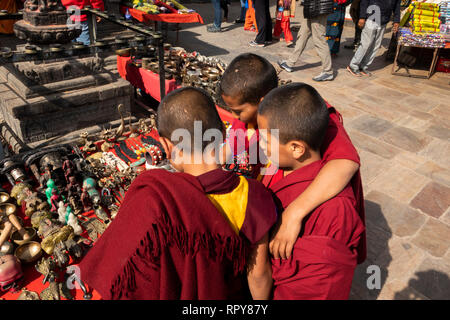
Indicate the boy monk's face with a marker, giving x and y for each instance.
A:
(245, 112)
(268, 140)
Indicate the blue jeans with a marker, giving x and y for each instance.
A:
(217, 13)
(243, 10)
(84, 36)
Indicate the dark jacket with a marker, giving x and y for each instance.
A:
(314, 8)
(387, 8)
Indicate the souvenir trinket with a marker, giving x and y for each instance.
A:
(94, 228)
(10, 272)
(28, 295)
(64, 233)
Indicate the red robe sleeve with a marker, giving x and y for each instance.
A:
(337, 143)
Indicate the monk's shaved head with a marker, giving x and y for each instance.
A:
(298, 111)
(182, 107)
(249, 78)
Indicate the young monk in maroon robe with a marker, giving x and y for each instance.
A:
(199, 233)
(245, 82)
(325, 254)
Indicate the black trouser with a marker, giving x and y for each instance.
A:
(357, 35)
(263, 21)
(224, 6)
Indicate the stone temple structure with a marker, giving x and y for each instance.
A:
(58, 86)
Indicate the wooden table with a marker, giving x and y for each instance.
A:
(411, 72)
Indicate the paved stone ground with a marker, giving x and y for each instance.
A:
(401, 129)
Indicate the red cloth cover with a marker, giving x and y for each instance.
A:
(143, 79)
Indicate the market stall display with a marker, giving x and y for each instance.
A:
(66, 196)
(422, 26)
(181, 68)
(160, 11)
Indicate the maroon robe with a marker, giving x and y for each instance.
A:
(169, 241)
(337, 145)
(325, 254)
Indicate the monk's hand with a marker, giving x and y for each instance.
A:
(361, 23)
(285, 234)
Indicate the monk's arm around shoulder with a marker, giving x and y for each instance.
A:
(331, 180)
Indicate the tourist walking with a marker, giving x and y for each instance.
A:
(373, 29)
(313, 17)
(354, 13)
(263, 22)
(335, 26)
(216, 26)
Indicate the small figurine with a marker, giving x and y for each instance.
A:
(62, 212)
(90, 185)
(143, 128)
(73, 188)
(67, 164)
(73, 222)
(68, 173)
(152, 121)
(74, 203)
(45, 177)
(86, 200)
(49, 191)
(54, 199)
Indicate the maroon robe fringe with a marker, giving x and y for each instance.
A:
(168, 241)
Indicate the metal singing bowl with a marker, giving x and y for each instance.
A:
(19, 240)
(7, 208)
(29, 252)
(4, 197)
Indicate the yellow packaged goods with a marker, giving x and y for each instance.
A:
(425, 30)
(429, 13)
(426, 19)
(426, 24)
(426, 6)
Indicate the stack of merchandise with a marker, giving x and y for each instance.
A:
(425, 18)
(158, 6)
(445, 19)
(426, 40)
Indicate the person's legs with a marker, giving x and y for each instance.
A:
(286, 26)
(243, 11)
(261, 21)
(367, 40)
(302, 38)
(224, 7)
(371, 54)
(249, 16)
(277, 29)
(84, 36)
(318, 30)
(268, 21)
(217, 13)
(357, 40)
